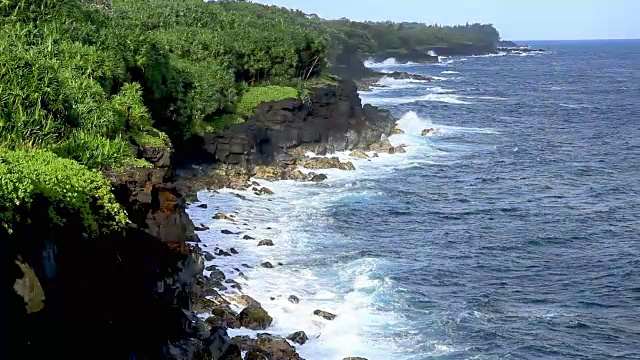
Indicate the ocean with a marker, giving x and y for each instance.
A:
(511, 232)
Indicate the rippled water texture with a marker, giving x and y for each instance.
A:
(512, 232)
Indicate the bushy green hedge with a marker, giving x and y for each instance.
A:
(67, 185)
(259, 94)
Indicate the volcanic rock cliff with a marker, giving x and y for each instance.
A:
(131, 294)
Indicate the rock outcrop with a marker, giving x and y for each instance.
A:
(135, 287)
(270, 143)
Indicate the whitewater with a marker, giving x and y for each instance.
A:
(472, 243)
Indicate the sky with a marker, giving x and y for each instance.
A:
(514, 19)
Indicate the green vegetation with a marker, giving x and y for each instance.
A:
(67, 186)
(378, 37)
(257, 95)
(85, 83)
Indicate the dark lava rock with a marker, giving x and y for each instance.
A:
(233, 251)
(276, 347)
(324, 314)
(244, 342)
(298, 337)
(266, 242)
(248, 301)
(246, 266)
(263, 191)
(294, 299)
(227, 232)
(208, 256)
(254, 318)
(216, 273)
(223, 316)
(267, 265)
(242, 197)
(221, 252)
(255, 354)
(318, 178)
(401, 75)
(203, 206)
(247, 237)
(201, 228)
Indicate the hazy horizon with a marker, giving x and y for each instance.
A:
(527, 20)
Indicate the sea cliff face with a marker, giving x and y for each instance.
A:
(134, 294)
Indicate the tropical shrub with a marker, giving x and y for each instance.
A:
(68, 186)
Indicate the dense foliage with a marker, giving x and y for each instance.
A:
(85, 83)
(69, 188)
(377, 37)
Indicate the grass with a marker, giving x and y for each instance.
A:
(259, 94)
(218, 124)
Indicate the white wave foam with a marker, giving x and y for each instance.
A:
(390, 62)
(501, 53)
(413, 125)
(450, 72)
(437, 97)
(297, 218)
(575, 106)
(391, 83)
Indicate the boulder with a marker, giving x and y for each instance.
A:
(270, 173)
(223, 316)
(227, 232)
(383, 146)
(244, 342)
(318, 178)
(254, 318)
(264, 191)
(317, 163)
(202, 206)
(428, 132)
(216, 273)
(397, 131)
(221, 216)
(399, 150)
(201, 228)
(247, 301)
(266, 242)
(233, 251)
(255, 354)
(276, 347)
(208, 256)
(298, 337)
(220, 252)
(247, 237)
(325, 314)
(267, 265)
(359, 154)
(294, 299)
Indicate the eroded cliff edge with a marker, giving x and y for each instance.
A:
(133, 294)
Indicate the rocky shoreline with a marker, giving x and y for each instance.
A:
(149, 286)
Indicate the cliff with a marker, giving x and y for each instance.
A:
(132, 294)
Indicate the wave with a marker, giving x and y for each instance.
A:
(391, 83)
(443, 96)
(370, 63)
(450, 72)
(575, 106)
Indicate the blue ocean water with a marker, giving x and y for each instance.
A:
(512, 232)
